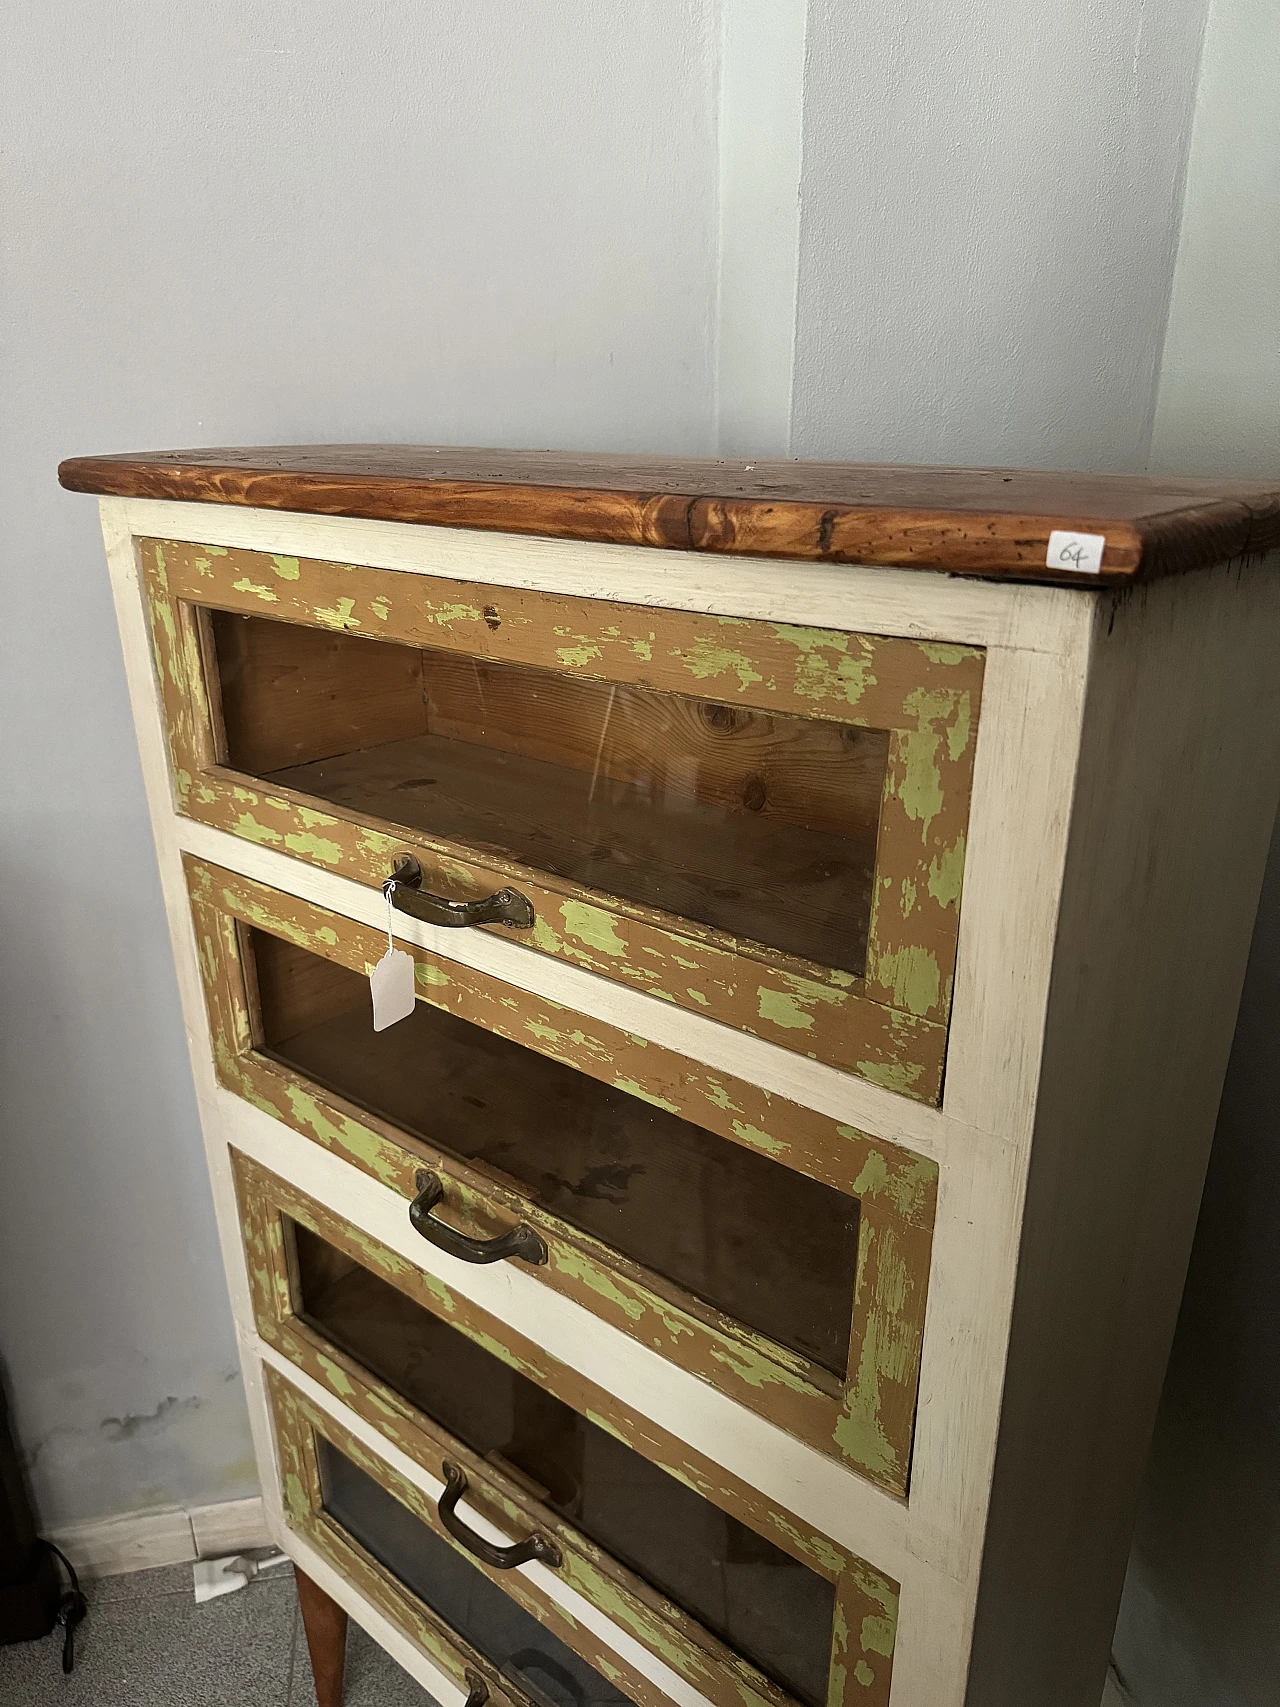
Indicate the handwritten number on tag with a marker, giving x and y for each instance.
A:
(1079, 551)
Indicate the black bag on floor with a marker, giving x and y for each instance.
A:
(32, 1600)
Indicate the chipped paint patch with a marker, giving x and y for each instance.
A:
(578, 1267)
(946, 874)
(638, 1090)
(338, 615)
(705, 660)
(919, 784)
(445, 615)
(593, 926)
(760, 1140)
(776, 1007)
(901, 1076)
(266, 594)
(315, 847)
(912, 974)
(829, 667)
(311, 820)
(252, 831)
(577, 657)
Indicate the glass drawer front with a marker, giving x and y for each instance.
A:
(525, 1653)
(757, 1599)
(761, 1242)
(760, 824)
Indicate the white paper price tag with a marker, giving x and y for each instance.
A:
(1079, 551)
(391, 981)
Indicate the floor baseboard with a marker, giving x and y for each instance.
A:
(142, 1540)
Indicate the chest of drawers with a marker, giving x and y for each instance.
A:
(747, 1273)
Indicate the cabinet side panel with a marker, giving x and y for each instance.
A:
(1175, 798)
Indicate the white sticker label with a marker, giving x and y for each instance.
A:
(391, 982)
(1082, 551)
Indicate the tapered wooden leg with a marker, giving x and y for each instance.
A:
(326, 1625)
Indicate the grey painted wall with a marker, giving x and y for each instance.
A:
(990, 198)
(505, 223)
(491, 223)
(1199, 1624)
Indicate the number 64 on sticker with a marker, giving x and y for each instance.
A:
(1079, 551)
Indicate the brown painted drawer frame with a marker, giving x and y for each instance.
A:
(866, 1601)
(866, 1421)
(889, 1026)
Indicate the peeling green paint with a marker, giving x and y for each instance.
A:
(939, 652)
(958, 730)
(338, 615)
(249, 827)
(783, 1010)
(946, 873)
(892, 1075)
(444, 616)
(705, 660)
(311, 820)
(912, 974)
(919, 787)
(828, 668)
(577, 657)
(878, 1634)
(345, 1136)
(266, 594)
(717, 1094)
(336, 1376)
(314, 847)
(546, 1033)
(637, 1090)
(578, 1267)
(295, 1495)
(593, 926)
(759, 1140)
(285, 567)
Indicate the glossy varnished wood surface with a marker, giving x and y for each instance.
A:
(976, 521)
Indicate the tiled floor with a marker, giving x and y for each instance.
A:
(146, 1643)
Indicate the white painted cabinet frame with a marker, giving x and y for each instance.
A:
(1127, 771)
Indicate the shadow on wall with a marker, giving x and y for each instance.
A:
(1199, 1625)
(114, 1321)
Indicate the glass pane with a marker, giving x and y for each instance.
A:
(760, 823)
(510, 1638)
(766, 1245)
(756, 1598)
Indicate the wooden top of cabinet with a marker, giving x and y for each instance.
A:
(990, 522)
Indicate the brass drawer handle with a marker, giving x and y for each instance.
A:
(501, 1558)
(520, 1242)
(477, 1690)
(404, 890)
